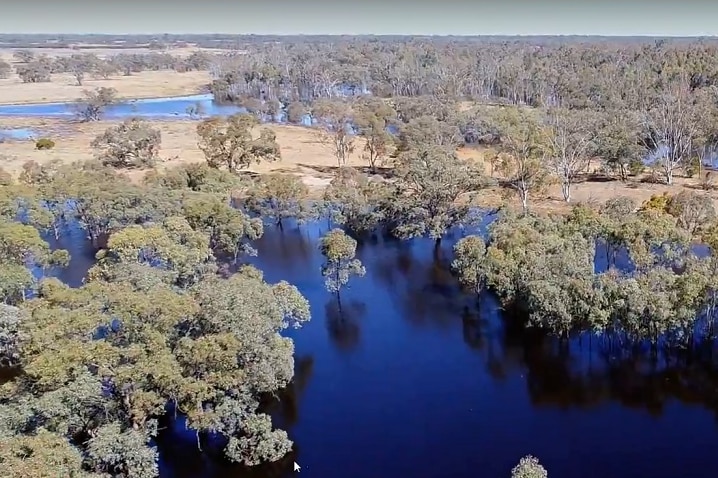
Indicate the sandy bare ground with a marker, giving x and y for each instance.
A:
(303, 154)
(63, 87)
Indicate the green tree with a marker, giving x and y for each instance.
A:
(469, 257)
(429, 187)
(336, 117)
(523, 161)
(277, 197)
(134, 143)
(618, 142)
(101, 362)
(529, 467)
(21, 245)
(229, 229)
(371, 119)
(341, 263)
(230, 142)
(93, 103)
(355, 201)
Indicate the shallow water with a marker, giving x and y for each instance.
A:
(414, 382)
(160, 108)
(17, 134)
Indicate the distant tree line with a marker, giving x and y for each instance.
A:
(34, 68)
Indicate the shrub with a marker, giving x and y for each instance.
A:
(44, 143)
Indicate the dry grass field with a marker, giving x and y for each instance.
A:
(302, 151)
(303, 154)
(148, 84)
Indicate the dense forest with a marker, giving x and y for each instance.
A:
(632, 105)
(172, 321)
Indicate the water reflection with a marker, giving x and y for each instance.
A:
(414, 367)
(342, 320)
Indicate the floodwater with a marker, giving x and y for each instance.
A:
(416, 380)
(202, 106)
(179, 107)
(17, 134)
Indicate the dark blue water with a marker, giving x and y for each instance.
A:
(416, 381)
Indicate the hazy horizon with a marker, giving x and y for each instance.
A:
(320, 17)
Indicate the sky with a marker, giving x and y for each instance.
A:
(380, 17)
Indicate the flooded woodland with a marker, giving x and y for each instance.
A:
(181, 319)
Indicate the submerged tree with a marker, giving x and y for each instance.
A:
(341, 263)
(355, 201)
(94, 102)
(277, 197)
(22, 246)
(101, 363)
(470, 255)
(230, 142)
(430, 184)
(529, 467)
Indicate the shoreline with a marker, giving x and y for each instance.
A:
(122, 100)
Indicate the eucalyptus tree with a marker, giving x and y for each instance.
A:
(102, 362)
(671, 129)
(198, 177)
(93, 103)
(230, 230)
(614, 215)
(134, 143)
(341, 263)
(22, 247)
(430, 185)
(570, 146)
(705, 143)
(173, 246)
(106, 201)
(231, 143)
(692, 210)
(469, 262)
(54, 189)
(355, 201)
(529, 467)
(547, 270)
(424, 132)
(618, 142)
(336, 117)
(277, 197)
(371, 119)
(296, 111)
(10, 334)
(524, 151)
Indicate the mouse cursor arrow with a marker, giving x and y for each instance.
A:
(297, 467)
